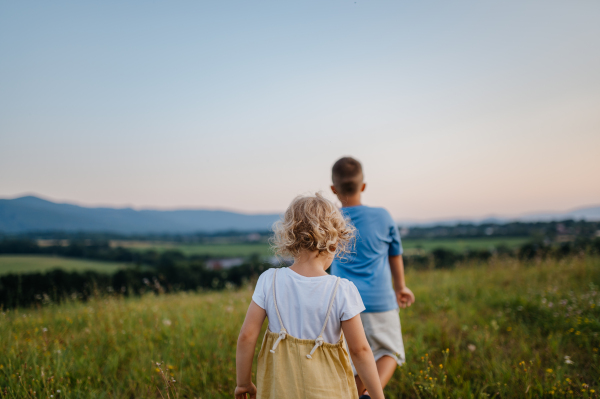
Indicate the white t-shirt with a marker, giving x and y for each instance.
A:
(303, 303)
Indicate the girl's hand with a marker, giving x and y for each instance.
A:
(240, 392)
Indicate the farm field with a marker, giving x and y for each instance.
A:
(502, 329)
(262, 249)
(216, 250)
(41, 263)
(462, 244)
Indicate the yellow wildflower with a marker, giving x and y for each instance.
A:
(548, 370)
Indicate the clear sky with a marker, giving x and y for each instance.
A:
(456, 109)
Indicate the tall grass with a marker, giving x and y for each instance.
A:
(503, 329)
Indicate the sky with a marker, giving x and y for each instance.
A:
(455, 109)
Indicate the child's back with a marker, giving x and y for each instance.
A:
(368, 265)
(303, 303)
(301, 309)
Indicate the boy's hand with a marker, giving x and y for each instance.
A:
(240, 392)
(404, 297)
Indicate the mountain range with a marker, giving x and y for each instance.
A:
(35, 214)
(31, 213)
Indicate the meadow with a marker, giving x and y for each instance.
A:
(501, 329)
(43, 263)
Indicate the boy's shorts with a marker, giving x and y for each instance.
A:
(384, 335)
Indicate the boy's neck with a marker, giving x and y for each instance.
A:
(351, 200)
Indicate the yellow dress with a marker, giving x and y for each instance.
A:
(304, 368)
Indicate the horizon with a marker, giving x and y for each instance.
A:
(457, 219)
(467, 108)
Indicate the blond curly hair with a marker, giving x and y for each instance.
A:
(312, 223)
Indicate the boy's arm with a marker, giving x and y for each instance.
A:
(362, 356)
(404, 295)
(245, 351)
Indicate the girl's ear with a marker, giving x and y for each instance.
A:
(364, 185)
(334, 190)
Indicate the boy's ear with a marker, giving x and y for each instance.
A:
(334, 190)
(364, 185)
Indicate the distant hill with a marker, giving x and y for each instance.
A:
(30, 213)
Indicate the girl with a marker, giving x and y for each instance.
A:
(310, 313)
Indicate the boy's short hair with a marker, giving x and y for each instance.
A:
(312, 223)
(347, 175)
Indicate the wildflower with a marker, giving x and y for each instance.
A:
(44, 329)
(441, 366)
(592, 391)
(568, 360)
(170, 367)
(508, 328)
(58, 391)
(167, 322)
(548, 370)
(471, 347)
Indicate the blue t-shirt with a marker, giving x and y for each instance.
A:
(368, 266)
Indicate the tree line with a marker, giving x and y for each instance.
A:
(534, 230)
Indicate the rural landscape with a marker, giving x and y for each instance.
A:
(503, 310)
(157, 158)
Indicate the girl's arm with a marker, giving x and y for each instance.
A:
(245, 351)
(362, 356)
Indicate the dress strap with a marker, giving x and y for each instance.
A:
(319, 341)
(282, 331)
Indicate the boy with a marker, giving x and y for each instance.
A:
(377, 260)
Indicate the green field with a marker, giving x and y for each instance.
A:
(216, 250)
(262, 249)
(461, 245)
(503, 329)
(39, 263)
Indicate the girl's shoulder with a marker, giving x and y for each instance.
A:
(347, 288)
(348, 300)
(267, 274)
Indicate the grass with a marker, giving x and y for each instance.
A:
(41, 263)
(503, 329)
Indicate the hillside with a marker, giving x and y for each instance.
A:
(35, 214)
